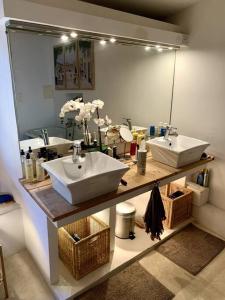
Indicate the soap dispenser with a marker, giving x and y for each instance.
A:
(33, 159)
(40, 171)
(23, 159)
(29, 168)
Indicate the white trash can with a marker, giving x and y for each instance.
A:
(125, 220)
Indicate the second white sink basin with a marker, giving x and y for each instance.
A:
(97, 174)
(177, 151)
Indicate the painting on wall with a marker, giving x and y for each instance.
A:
(71, 67)
(86, 65)
(74, 66)
(59, 62)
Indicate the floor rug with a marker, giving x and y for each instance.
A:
(133, 283)
(192, 249)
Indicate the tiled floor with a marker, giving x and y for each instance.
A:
(25, 281)
(208, 284)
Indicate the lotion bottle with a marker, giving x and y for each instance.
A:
(33, 159)
(40, 172)
(29, 168)
(23, 159)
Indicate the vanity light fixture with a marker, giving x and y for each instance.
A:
(64, 38)
(102, 42)
(112, 40)
(73, 34)
(147, 48)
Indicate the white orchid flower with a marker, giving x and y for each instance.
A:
(100, 122)
(62, 114)
(108, 121)
(98, 103)
(78, 100)
(88, 106)
(78, 118)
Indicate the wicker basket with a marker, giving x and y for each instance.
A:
(179, 209)
(91, 252)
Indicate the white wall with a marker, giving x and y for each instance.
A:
(132, 82)
(199, 96)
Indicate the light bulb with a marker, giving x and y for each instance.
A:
(157, 46)
(147, 48)
(170, 48)
(112, 40)
(102, 42)
(64, 38)
(160, 49)
(73, 35)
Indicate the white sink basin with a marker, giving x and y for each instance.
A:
(177, 151)
(96, 175)
(38, 143)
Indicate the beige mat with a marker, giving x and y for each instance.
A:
(133, 283)
(192, 249)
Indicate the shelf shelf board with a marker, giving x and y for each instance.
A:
(125, 253)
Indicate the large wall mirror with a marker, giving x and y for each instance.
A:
(134, 82)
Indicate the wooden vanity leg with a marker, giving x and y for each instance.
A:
(3, 273)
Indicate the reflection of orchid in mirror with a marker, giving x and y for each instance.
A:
(85, 113)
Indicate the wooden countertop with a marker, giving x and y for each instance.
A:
(56, 208)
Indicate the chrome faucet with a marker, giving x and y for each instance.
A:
(128, 123)
(78, 153)
(170, 130)
(44, 135)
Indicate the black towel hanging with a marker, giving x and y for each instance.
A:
(154, 214)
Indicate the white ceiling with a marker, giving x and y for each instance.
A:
(148, 8)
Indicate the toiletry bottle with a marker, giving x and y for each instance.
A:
(159, 128)
(29, 168)
(206, 178)
(40, 171)
(152, 131)
(142, 157)
(133, 148)
(23, 159)
(114, 151)
(140, 137)
(33, 158)
(200, 178)
(135, 135)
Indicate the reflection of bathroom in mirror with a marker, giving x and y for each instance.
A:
(133, 83)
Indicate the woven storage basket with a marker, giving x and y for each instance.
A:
(91, 252)
(179, 209)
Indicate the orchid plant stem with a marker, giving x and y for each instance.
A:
(86, 133)
(99, 131)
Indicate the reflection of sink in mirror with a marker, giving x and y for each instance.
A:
(69, 133)
(177, 151)
(101, 174)
(136, 128)
(38, 143)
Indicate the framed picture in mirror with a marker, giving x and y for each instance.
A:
(71, 66)
(59, 66)
(86, 65)
(74, 66)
